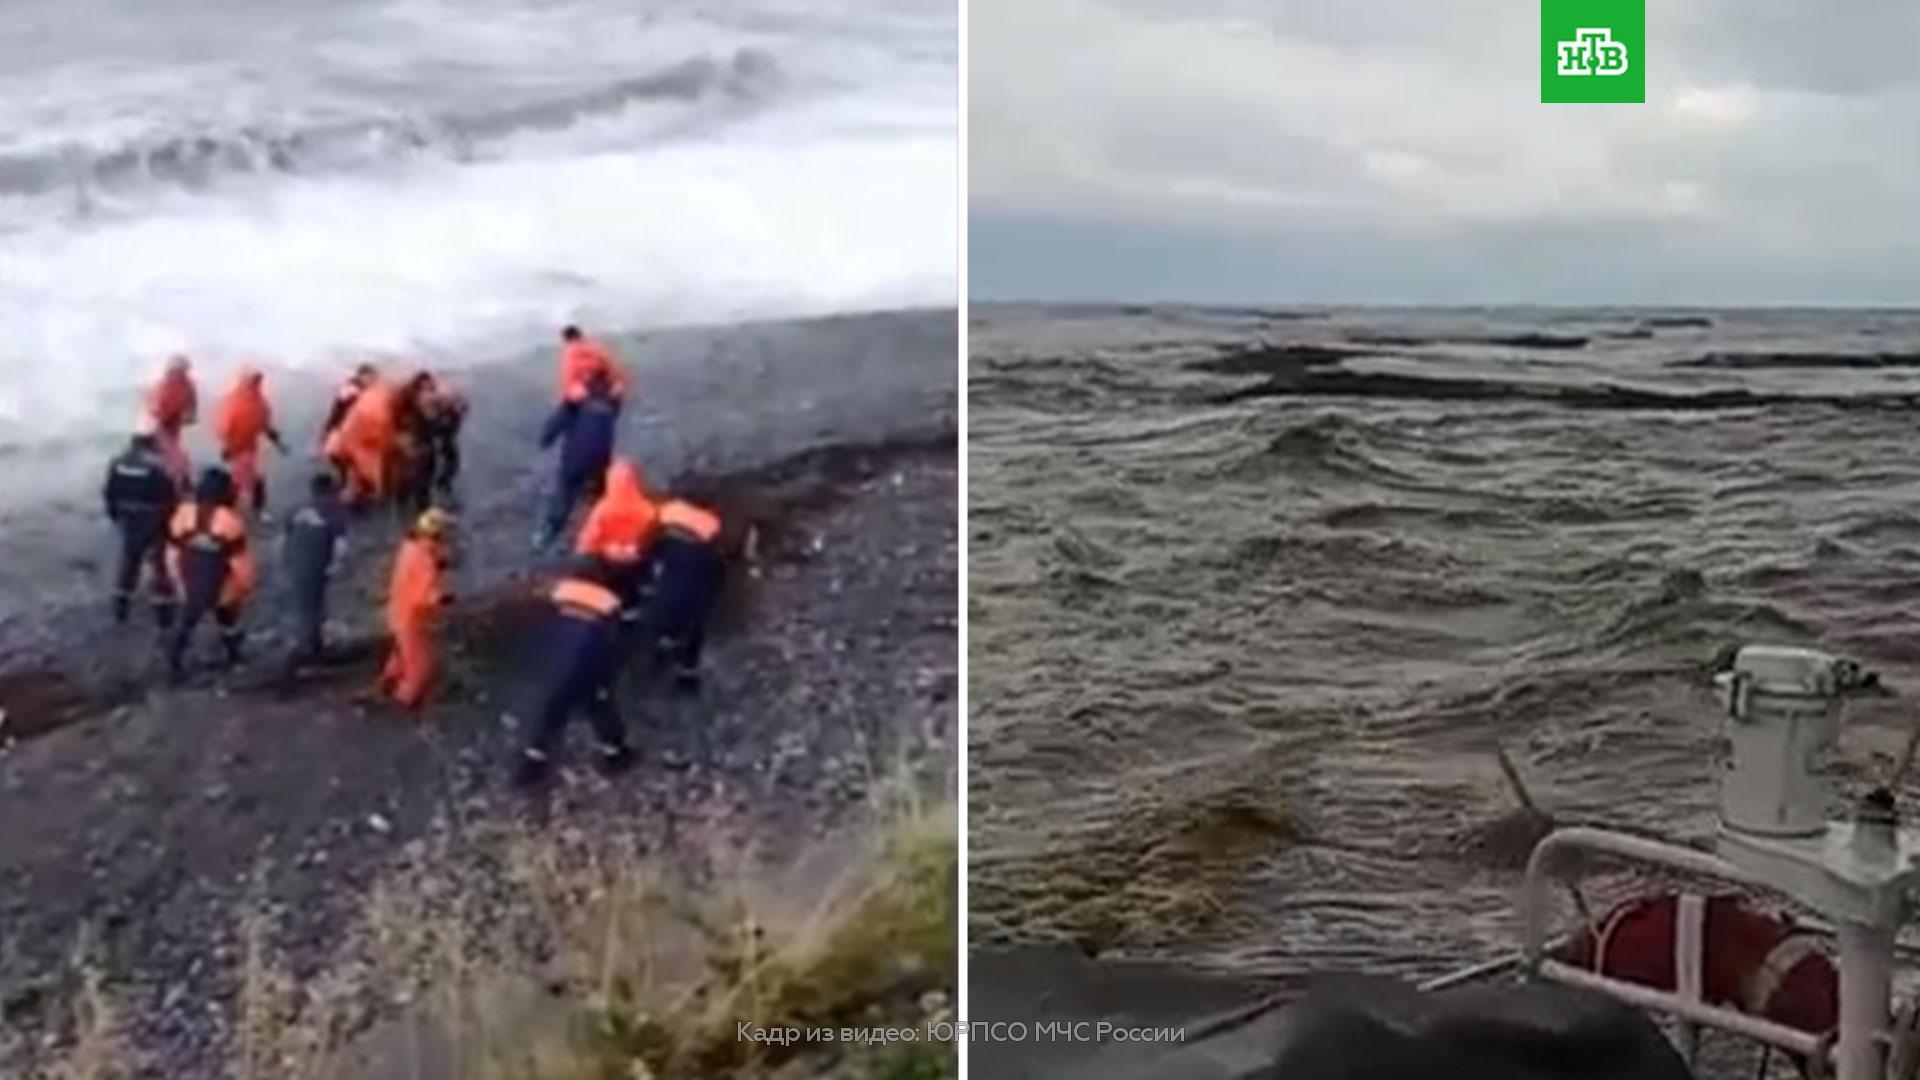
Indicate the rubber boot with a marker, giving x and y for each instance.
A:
(233, 642)
(614, 760)
(176, 658)
(531, 770)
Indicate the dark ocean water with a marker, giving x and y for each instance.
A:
(1255, 594)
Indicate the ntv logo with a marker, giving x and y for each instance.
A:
(1582, 39)
(1593, 52)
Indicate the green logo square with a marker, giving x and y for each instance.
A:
(1593, 50)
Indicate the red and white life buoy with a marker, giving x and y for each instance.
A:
(1748, 959)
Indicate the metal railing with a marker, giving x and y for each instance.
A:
(1684, 1002)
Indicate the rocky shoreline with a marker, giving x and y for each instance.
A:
(144, 827)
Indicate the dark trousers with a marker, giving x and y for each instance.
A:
(444, 452)
(203, 599)
(569, 488)
(585, 666)
(307, 614)
(689, 577)
(143, 543)
(436, 461)
(419, 491)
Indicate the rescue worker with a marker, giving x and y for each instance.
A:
(686, 570)
(446, 413)
(213, 568)
(174, 405)
(585, 638)
(363, 376)
(412, 472)
(581, 356)
(141, 495)
(315, 538)
(243, 419)
(620, 525)
(362, 445)
(414, 598)
(586, 425)
(429, 416)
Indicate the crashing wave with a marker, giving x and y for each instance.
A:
(203, 159)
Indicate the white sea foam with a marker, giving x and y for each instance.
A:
(830, 186)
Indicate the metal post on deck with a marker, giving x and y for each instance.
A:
(1866, 978)
(1689, 948)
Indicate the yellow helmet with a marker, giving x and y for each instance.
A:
(433, 522)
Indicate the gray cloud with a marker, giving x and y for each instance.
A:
(1404, 146)
(1852, 48)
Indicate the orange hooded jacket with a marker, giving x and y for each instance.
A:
(414, 597)
(365, 439)
(415, 592)
(245, 416)
(580, 359)
(173, 402)
(621, 524)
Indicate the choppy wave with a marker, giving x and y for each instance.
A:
(1324, 371)
(1392, 541)
(1755, 361)
(1529, 340)
(198, 160)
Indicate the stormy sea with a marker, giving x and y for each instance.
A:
(1255, 595)
(753, 204)
(448, 180)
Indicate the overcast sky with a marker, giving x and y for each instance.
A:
(1397, 151)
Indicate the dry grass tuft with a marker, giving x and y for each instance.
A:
(537, 956)
(100, 1050)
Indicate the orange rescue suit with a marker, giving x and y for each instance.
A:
(579, 360)
(243, 420)
(621, 524)
(413, 599)
(697, 522)
(174, 405)
(224, 530)
(173, 402)
(364, 442)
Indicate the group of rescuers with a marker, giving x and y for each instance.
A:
(644, 574)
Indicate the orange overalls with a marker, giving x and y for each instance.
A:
(363, 444)
(213, 571)
(579, 360)
(174, 405)
(244, 418)
(219, 529)
(413, 599)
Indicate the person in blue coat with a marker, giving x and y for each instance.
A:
(140, 494)
(585, 425)
(686, 572)
(584, 635)
(313, 542)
